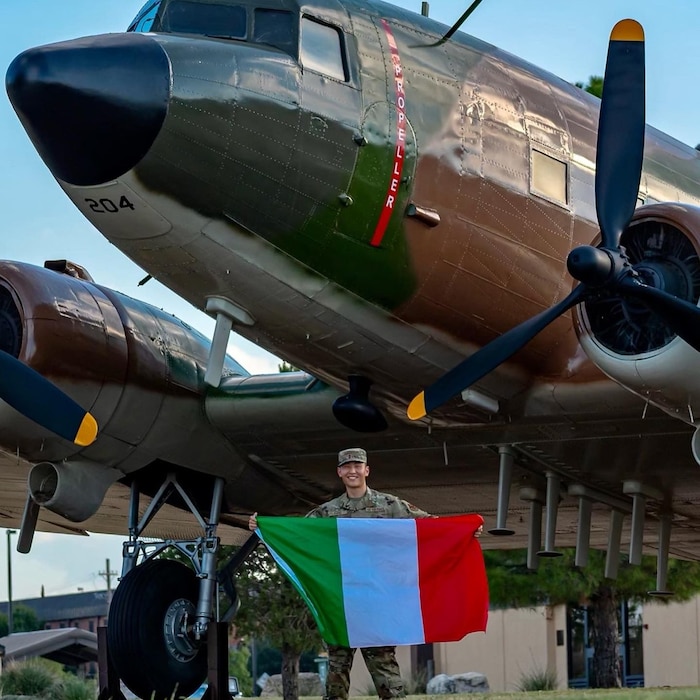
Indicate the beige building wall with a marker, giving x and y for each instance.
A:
(521, 641)
(517, 642)
(671, 643)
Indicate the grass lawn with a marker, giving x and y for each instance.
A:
(619, 694)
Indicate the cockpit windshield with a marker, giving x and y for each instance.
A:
(188, 17)
(144, 19)
(222, 19)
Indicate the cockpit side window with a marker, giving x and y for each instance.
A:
(276, 28)
(187, 17)
(322, 49)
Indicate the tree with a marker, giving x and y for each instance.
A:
(272, 609)
(594, 85)
(286, 367)
(558, 581)
(238, 666)
(24, 619)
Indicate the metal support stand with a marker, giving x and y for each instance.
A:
(553, 491)
(110, 688)
(534, 530)
(217, 662)
(505, 478)
(662, 557)
(612, 558)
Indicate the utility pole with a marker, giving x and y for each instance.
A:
(10, 620)
(107, 575)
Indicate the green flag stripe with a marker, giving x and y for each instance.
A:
(319, 580)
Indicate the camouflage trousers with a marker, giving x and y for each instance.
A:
(381, 664)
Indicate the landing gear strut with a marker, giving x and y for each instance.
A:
(162, 609)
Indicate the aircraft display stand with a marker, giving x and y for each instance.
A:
(110, 688)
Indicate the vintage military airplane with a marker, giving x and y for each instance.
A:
(378, 201)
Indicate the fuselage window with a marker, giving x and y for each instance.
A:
(144, 19)
(322, 49)
(548, 177)
(186, 17)
(276, 28)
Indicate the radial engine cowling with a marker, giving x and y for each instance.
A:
(137, 369)
(631, 344)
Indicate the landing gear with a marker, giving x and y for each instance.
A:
(149, 633)
(164, 612)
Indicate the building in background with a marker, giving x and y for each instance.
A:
(86, 610)
(659, 646)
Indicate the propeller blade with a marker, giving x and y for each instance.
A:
(37, 398)
(488, 358)
(620, 132)
(681, 316)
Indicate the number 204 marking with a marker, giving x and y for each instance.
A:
(107, 206)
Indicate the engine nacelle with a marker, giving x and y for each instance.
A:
(72, 490)
(137, 369)
(630, 343)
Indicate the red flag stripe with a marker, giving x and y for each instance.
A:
(452, 578)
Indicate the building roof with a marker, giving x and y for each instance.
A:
(70, 606)
(69, 646)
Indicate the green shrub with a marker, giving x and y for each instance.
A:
(29, 678)
(44, 679)
(74, 688)
(538, 679)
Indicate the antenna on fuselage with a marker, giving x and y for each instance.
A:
(425, 9)
(448, 34)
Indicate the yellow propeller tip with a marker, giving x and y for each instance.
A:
(627, 30)
(87, 432)
(416, 409)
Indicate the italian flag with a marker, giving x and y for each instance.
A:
(375, 582)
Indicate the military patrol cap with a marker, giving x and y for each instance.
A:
(352, 454)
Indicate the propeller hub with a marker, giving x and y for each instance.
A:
(592, 266)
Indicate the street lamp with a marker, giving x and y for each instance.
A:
(9, 581)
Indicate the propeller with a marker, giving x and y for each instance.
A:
(602, 271)
(37, 398)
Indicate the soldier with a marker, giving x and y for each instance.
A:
(359, 501)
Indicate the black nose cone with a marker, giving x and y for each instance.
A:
(92, 106)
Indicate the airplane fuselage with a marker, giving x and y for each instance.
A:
(403, 203)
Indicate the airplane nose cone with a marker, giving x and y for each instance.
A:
(93, 106)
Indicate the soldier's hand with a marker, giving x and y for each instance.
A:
(253, 521)
(479, 532)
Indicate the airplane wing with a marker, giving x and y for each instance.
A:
(445, 472)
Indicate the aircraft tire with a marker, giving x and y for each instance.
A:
(146, 612)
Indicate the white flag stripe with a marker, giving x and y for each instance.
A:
(380, 581)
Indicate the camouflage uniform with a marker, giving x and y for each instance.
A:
(381, 661)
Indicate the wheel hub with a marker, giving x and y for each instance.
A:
(179, 618)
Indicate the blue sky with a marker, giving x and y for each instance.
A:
(569, 38)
